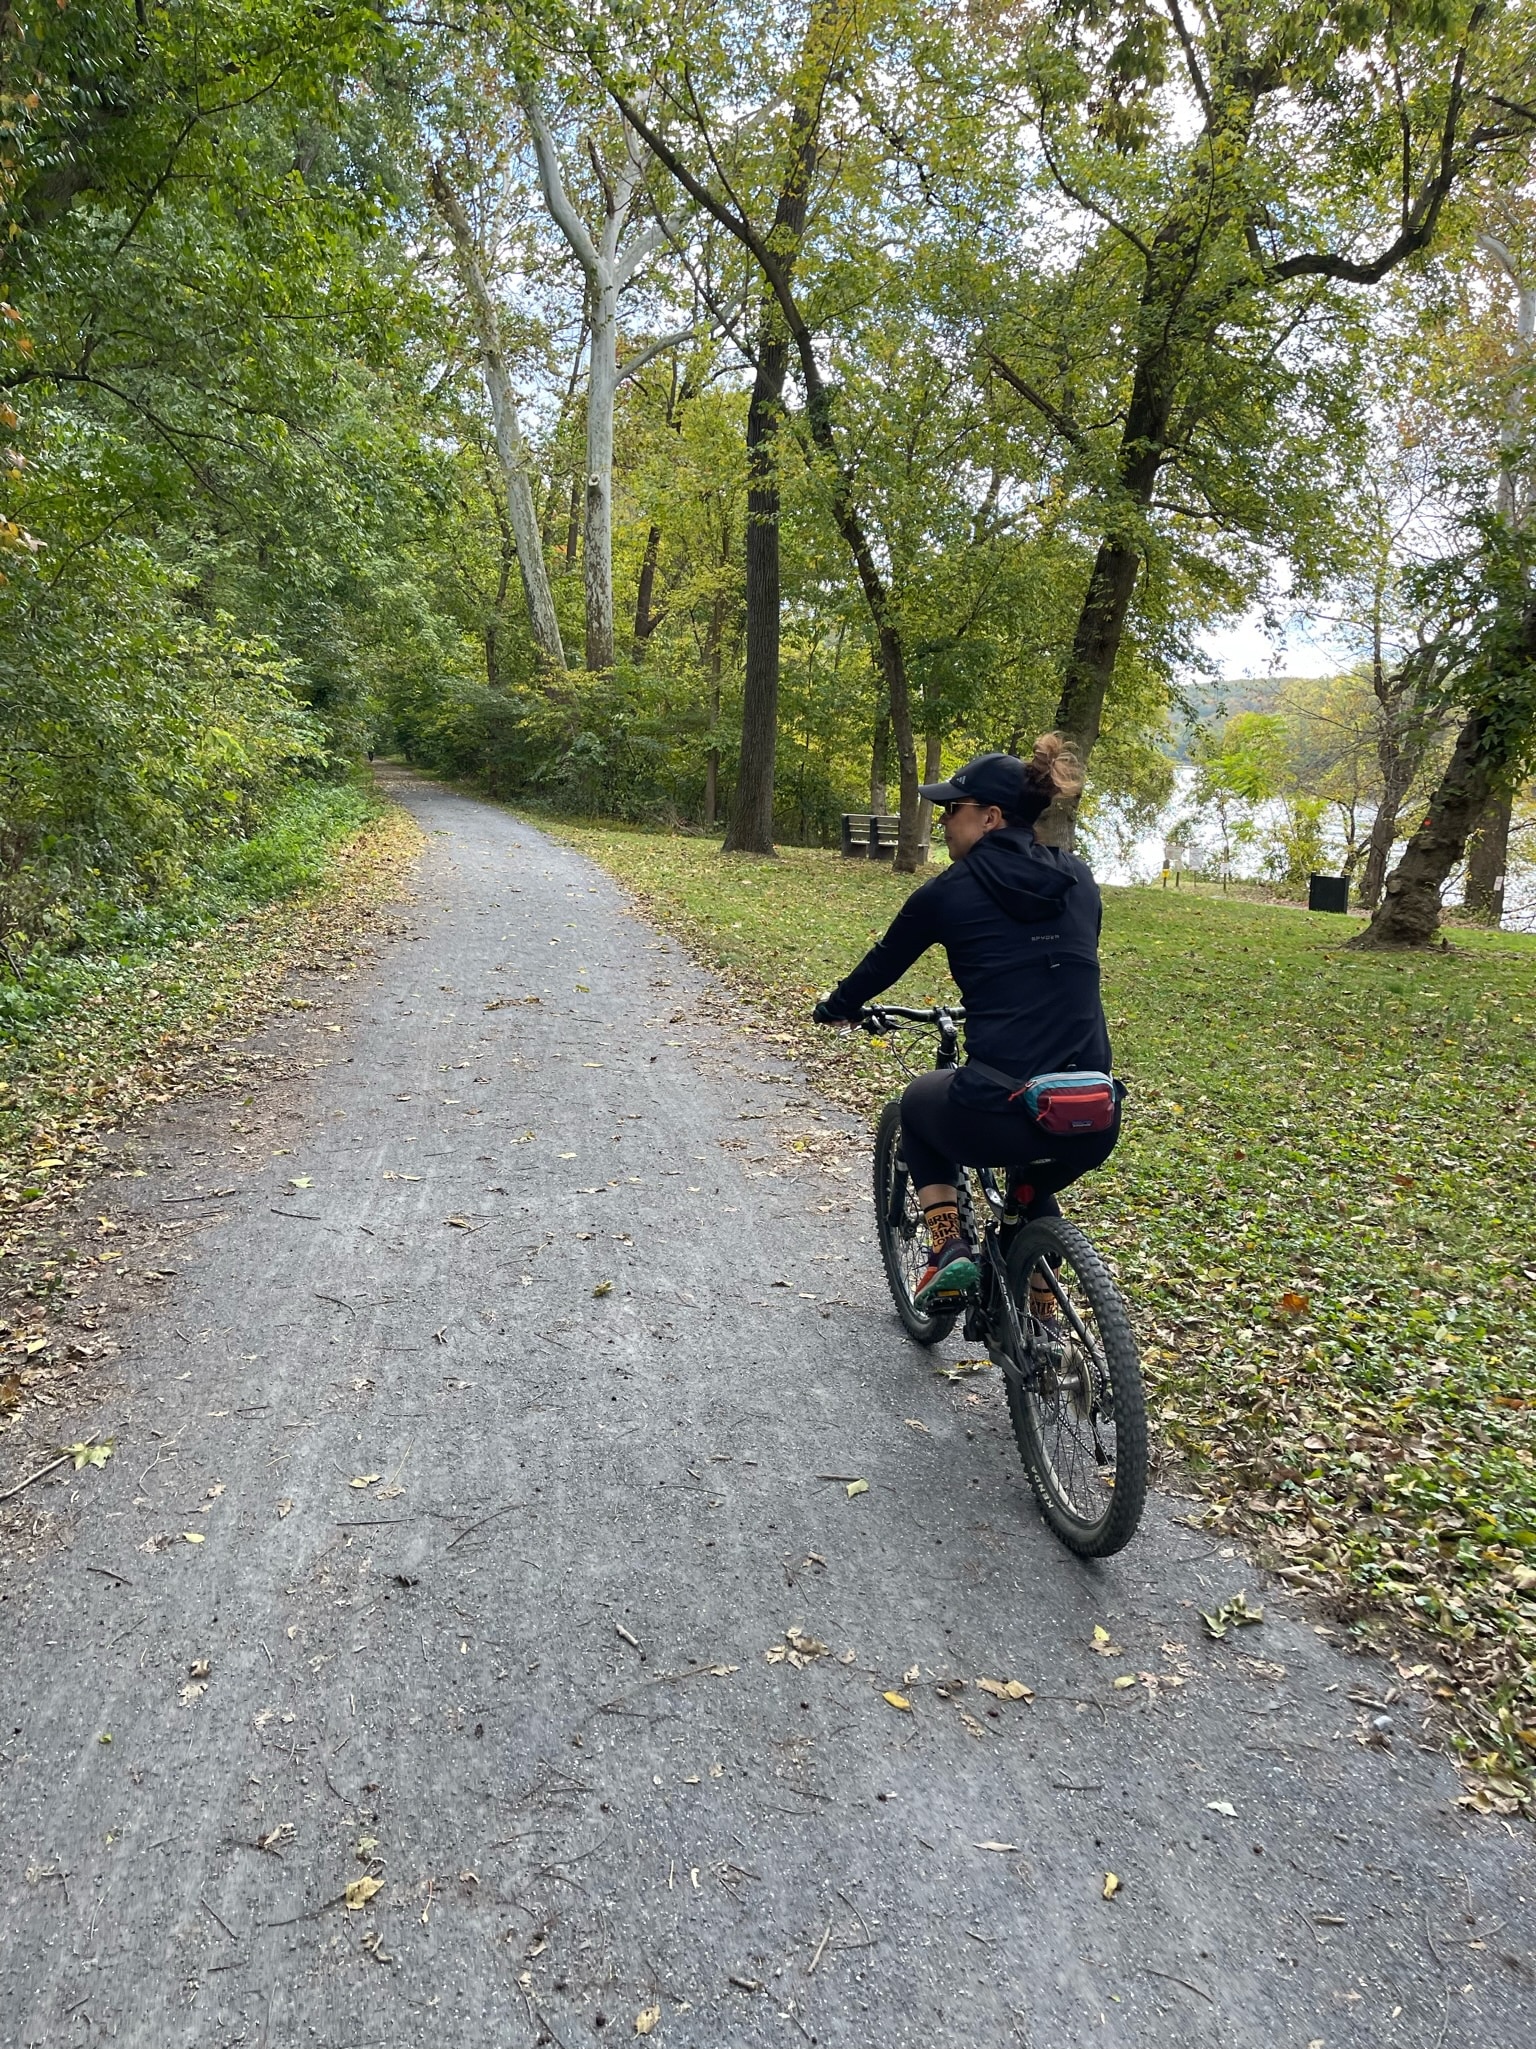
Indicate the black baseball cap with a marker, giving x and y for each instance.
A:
(989, 779)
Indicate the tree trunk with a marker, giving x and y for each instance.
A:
(1091, 671)
(880, 753)
(597, 534)
(646, 621)
(933, 764)
(1409, 911)
(511, 449)
(750, 827)
(910, 852)
(714, 658)
(1487, 859)
(572, 527)
(1396, 774)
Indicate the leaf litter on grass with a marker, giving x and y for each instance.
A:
(1339, 1343)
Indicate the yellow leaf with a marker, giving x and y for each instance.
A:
(898, 1700)
(299, 1181)
(647, 2019)
(603, 1288)
(91, 1454)
(1111, 1885)
(365, 1479)
(1125, 1679)
(1104, 1644)
(857, 1487)
(193, 1536)
(361, 1891)
(1006, 1689)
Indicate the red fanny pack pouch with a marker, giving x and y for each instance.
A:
(1070, 1105)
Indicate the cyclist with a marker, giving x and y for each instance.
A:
(1019, 923)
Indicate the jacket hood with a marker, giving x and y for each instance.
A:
(1027, 880)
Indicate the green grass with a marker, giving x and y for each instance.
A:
(1321, 1209)
(87, 1036)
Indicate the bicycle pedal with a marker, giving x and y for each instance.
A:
(974, 1328)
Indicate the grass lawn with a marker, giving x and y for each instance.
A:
(1322, 1210)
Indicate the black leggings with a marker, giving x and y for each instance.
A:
(938, 1138)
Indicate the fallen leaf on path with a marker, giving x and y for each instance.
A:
(365, 1479)
(200, 1668)
(1111, 1885)
(898, 1700)
(647, 2019)
(1125, 1679)
(913, 1424)
(1293, 1303)
(361, 1891)
(299, 1181)
(1222, 1807)
(91, 1454)
(603, 1288)
(1104, 1643)
(1233, 1614)
(192, 1536)
(857, 1487)
(972, 1726)
(912, 1674)
(958, 1368)
(284, 1508)
(1002, 1849)
(191, 1690)
(1006, 1689)
(366, 1845)
(565, 1156)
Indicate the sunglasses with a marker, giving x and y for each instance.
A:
(957, 804)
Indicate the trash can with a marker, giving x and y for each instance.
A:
(1327, 892)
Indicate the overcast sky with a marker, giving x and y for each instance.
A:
(1253, 648)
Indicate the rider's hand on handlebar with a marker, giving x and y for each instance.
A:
(826, 1013)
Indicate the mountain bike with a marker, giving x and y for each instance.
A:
(1047, 1311)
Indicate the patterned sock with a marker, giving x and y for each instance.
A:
(943, 1222)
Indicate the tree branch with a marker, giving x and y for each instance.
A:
(552, 184)
(1066, 428)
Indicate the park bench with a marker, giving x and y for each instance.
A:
(869, 835)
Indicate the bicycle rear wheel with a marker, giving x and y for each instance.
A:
(903, 1240)
(1078, 1406)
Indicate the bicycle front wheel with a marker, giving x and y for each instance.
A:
(903, 1240)
(1078, 1406)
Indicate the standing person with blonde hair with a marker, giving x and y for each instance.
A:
(1019, 923)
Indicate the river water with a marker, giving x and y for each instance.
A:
(1124, 850)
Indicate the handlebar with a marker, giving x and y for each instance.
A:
(873, 1018)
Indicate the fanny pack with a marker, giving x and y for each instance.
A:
(1068, 1105)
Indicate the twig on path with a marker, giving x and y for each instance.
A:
(312, 1914)
(1174, 1979)
(1429, 1938)
(340, 1304)
(52, 1467)
(210, 1195)
(505, 1509)
(869, 1940)
(117, 1576)
(304, 1216)
(217, 1917)
(815, 1960)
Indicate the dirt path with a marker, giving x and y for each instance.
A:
(588, 1282)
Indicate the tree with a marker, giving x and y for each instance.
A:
(611, 257)
(1317, 132)
(1490, 672)
(511, 447)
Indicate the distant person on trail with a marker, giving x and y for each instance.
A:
(1019, 923)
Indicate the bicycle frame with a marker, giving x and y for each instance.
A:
(994, 1319)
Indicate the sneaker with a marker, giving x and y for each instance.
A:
(951, 1275)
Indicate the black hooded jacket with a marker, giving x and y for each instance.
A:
(1020, 925)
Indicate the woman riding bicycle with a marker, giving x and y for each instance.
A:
(1019, 923)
